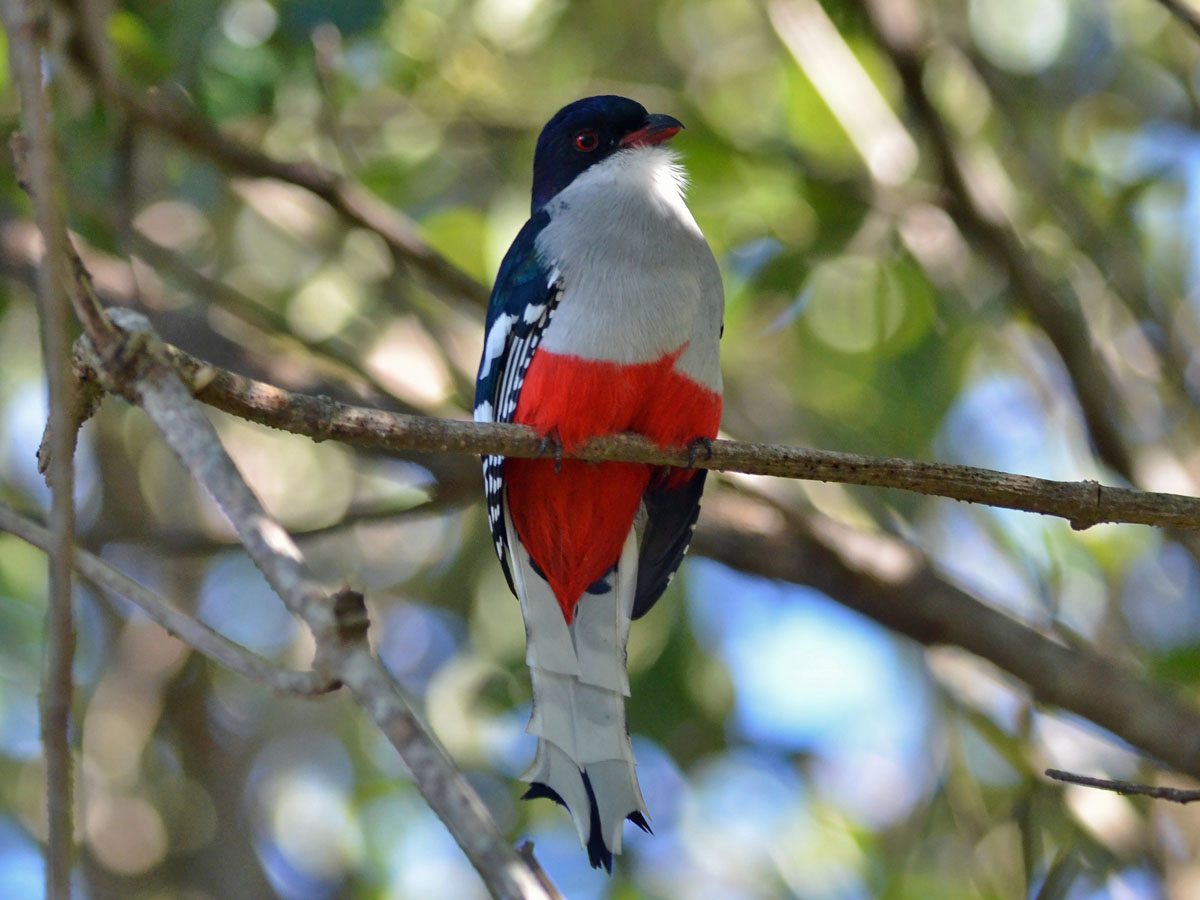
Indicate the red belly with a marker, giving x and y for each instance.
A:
(574, 522)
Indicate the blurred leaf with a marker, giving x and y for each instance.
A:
(299, 17)
(141, 55)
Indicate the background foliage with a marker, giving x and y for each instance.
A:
(879, 258)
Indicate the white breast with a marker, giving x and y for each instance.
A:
(638, 277)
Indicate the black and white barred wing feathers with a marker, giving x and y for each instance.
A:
(520, 307)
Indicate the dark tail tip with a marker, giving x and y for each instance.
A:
(539, 791)
(598, 853)
(640, 821)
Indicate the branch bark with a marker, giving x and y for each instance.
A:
(1128, 788)
(1083, 503)
(132, 362)
(143, 373)
(37, 170)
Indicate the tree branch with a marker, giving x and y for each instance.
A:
(1083, 504)
(352, 201)
(1174, 795)
(899, 30)
(144, 374)
(133, 363)
(37, 170)
(188, 629)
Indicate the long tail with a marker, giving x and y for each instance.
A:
(584, 759)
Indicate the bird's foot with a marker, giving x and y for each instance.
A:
(550, 442)
(695, 447)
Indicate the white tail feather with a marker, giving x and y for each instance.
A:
(579, 688)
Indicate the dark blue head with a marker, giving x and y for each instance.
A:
(587, 131)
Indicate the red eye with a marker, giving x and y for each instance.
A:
(587, 141)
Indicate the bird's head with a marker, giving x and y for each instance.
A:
(587, 131)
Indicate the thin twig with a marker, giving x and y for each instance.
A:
(1173, 795)
(188, 629)
(1082, 503)
(37, 167)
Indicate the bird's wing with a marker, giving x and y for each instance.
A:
(671, 513)
(521, 305)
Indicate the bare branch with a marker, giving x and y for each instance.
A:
(133, 363)
(900, 31)
(1174, 795)
(37, 168)
(1083, 503)
(352, 201)
(143, 372)
(187, 628)
(57, 671)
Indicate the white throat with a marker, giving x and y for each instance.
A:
(648, 177)
(637, 276)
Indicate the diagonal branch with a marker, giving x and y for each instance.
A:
(336, 349)
(132, 362)
(899, 30)
(1082, 503)
(188, 629)
(143, 373)
(351, 200)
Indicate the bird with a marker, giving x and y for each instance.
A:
(605, 317)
